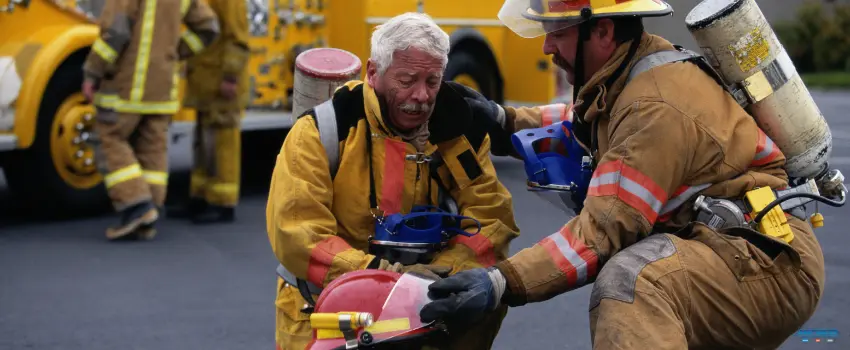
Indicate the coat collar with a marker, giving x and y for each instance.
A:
(595, 98)
(450, 119)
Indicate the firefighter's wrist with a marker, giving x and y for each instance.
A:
(92, 76)
(374, 263)
(232, 79)
(514, 293)
(499, 285)
(510, 117)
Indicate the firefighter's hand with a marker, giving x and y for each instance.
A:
(89, 87)
(465, 297)
(480, 105)
(434, 272)
(228, 89)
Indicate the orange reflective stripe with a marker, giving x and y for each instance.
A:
(393, 178)
(766, 150)
(321, 257)
(573, 258)
(639, 191)
(479, 244)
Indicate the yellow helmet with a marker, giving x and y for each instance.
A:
(533, 18)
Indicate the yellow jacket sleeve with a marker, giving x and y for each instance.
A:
(652, 146)
(488, 201)
(115, 33)
(302, 229)
(202, 28)
(234, 33)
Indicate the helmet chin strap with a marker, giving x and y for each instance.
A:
(580, 127)
(578, 71)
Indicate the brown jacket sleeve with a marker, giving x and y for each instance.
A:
(651, 149)
(202, 28)
(115, 33)
(487, 200)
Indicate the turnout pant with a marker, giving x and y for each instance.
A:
(700, 289)
(217, 155)
(132, 154)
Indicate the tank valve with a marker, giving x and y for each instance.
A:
(831, 184)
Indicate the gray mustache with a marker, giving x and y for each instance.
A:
(415, 107)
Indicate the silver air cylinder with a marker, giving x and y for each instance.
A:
(318, 73)
(738, 41)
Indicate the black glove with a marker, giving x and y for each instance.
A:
(480, 105)
(464, 297)
(489, 112)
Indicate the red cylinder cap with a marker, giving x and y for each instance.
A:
(328, 63)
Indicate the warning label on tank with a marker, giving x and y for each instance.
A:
(750, 50)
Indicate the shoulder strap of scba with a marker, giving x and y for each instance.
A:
(684, 55)
(325, 118)
(326, 123)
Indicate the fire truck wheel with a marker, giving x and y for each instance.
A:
(56, 176)
(475, 72)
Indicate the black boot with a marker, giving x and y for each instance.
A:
(147, 232)
(194, 207)
(214, 214)
(132, 218)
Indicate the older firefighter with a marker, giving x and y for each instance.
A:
(657, 137)
(405, 141)
(134, 70)
(218, 90)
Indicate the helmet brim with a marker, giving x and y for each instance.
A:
(528, 23)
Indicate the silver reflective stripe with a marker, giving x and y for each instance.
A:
(290, 278)
(326, 122)
(656, 59)
(675, 202)
(572, 256)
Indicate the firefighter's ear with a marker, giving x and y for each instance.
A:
(604, 32)
(371, 73)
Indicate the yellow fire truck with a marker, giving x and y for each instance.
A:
(45, 120)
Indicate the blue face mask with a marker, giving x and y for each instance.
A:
(416, 237)
(561, 172)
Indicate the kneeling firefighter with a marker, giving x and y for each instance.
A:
(688, 223)
(391, 174)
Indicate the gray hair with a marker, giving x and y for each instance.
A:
(407, 30)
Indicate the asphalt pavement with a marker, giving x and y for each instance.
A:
(62, 286)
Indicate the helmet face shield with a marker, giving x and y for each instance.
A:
(525, 18)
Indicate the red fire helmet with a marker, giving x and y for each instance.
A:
(375, 309)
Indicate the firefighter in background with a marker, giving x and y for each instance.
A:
(662, 277)
(217, 88)
(132, 75)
